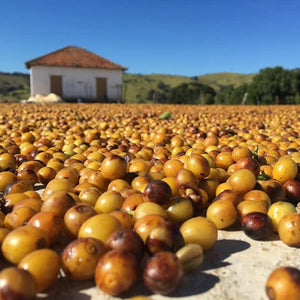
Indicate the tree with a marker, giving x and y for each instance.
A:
(157, 96)
(179, 94)
(162, 86)
(272, 86)
(191, 93)
(225, 94)
(238, 94)
(296, 85)
(160, 94)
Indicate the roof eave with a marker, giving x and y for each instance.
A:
(28, 65)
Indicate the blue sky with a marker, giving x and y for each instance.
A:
(186, 37)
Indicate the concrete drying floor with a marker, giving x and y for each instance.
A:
(236, 268)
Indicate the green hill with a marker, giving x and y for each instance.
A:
(221, 80)
(14, 86)
(136, 87)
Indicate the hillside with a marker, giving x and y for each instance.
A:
(137, 86)
(15, 86)
(221, 80)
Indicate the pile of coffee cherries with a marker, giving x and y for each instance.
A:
(113, 193)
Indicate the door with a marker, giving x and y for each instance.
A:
(56, 85)
(101, 85)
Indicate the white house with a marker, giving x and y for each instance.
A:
(73, 73)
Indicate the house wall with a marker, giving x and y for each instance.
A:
(76, 82)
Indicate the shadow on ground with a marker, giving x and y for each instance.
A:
(67, 289)
(200, 282)
(215, 257)
(195, 284)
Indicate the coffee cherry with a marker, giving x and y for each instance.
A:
(283, 283)
(116, 272)
(16, 283)
(113, 167)
(223, 213)
(279, 209)
(284, 170)
(257, 225)
(80, 257)
(201, 231)
(163, 273)
(128, 240)
(44, 265)
(22, 241)
(158, 191)
(289, 229)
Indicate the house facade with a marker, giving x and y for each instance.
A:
(74, 73)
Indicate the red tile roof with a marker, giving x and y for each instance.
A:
(75, 57)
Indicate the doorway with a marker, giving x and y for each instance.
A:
(56, 85)
(101, 86)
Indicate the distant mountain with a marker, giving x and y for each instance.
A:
(136, 88)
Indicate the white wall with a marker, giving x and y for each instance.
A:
(76, 82)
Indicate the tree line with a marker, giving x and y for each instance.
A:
(270, 86)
